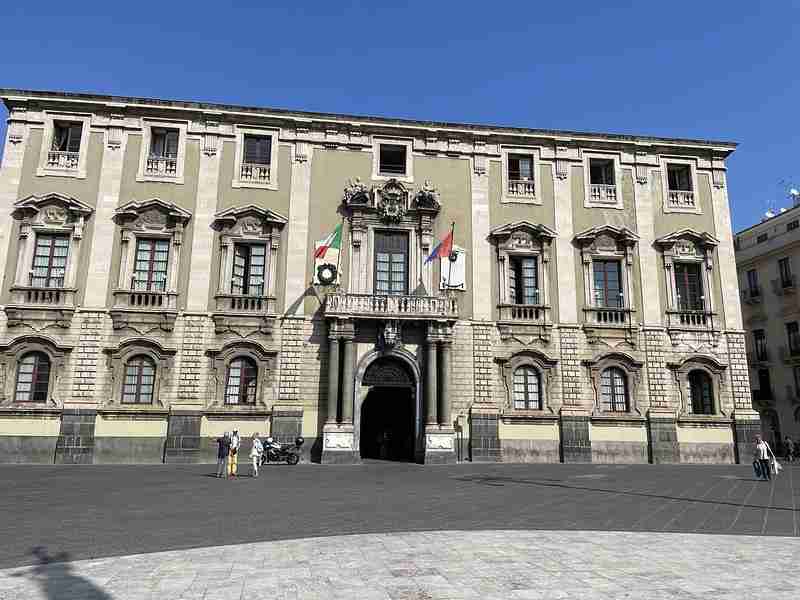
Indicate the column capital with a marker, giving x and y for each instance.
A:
(439, 332)
(343, 329)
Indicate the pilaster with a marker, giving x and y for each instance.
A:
(297, 242)
(565, 252)
(645, 228)
(17, 137)
(726, 260)
(481, 252)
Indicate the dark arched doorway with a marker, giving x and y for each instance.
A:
(387, 413)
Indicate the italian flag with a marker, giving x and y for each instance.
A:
(334, 240)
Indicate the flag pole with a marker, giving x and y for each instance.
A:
(452, 243)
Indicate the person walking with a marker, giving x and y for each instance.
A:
(762, 453)
(233, 455)
(223, 449)
(788, 448)
(256, 450)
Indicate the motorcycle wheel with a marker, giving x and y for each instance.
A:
(292, 459)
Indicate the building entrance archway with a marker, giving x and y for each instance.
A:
(387, 416)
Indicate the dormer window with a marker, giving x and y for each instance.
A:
(66, 145)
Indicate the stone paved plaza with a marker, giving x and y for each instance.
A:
(396, 531)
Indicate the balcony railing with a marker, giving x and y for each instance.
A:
(162, 166)
(57, 159)
(681, 199)
(529, 313)
(373, 306)
(614, 317)
(690, 319)
(146, 300)
(603, 194)
(235, 303)
(254, 172)
(518, 187)
(42, 296)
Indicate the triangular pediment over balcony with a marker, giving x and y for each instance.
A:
(52, 207)
(532, 229)
(607, 232)
(702, 239)
(151, 214)
(249, 219)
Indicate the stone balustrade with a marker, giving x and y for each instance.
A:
(691, 319)
(528, 313)
(603, 194)
(521, 188)
(162, 166)
(254, 172)
(57, 159)
(236, 303)
(614, 317)
(146, 300)
(681, 199)
(381, 307)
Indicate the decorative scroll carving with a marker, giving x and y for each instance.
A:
(392, 201)
(389, 335)
(387, 373)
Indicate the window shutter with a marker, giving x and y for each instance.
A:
(74, 142)
(172, 144)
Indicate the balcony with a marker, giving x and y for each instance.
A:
(784, 286)
(34, 303)
(390, 307)
(681, 199)
(161, 166)
(521, 187)
(67, 161)
(690, 319)
(134, 308)
(235, 303)
(602, 193)
(524, 313)
(608, 316)
(238, 313)
(254, 173)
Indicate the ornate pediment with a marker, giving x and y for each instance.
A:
(152, 215)
(248, 221)
(522, 236)
(607, 238)
(391, 201)
(53, 210)
(685, 237)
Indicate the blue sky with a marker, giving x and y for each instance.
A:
(715, 70)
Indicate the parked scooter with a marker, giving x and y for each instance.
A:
(275, 452)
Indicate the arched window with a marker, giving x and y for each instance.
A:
(701, 391)
(33, 378)
(240, 382)
(527, 388)
(614, 390)
(140, 379)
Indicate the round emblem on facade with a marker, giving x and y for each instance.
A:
(326, 274)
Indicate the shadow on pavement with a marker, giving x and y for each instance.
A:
(54, 575)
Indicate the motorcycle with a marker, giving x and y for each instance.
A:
(288, 453)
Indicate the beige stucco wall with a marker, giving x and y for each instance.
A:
(528, 431)
(33, 426)
(614, 433)
(105, 426)
(215, 427)
(700, 435)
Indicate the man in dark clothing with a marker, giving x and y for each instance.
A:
(223, 449)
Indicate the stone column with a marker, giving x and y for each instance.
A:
(430, 384)
(444, 402)
(333, 380)
(347, 381)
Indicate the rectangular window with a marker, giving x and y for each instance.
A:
(257, 149)
(764, 385)
(249, 263)
(793, 333)
(752, 283)
(150, 269)
(601, 171)
(392, 159)
(391, 263)
(689, 286)
(607, 284)
(792, 225)
(49, 261)
(679, 178)
(520, 167)
(66, 137)
(785, 270)
(163, 143)
(760, 344)
(523, 280)
(761, 238)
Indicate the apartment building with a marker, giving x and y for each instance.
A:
(385, 288)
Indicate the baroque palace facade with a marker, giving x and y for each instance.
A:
(165, 279)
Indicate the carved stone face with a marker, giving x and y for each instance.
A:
(153, 219)
(250, 225)
(54, 214)
(685, 248)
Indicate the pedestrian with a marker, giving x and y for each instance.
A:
(762, 453)
(223, 449)
(233, 455)
(788, 447)
(256, 450)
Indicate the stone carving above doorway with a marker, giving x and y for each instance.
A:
(386, 373)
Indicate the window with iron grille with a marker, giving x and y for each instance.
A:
(163, 143)
(792, 225)
(392, 159)
(391, 262)
(614, 390)
(701, 391)
(523, 280)
(601, 171)
(241, 380)
(527, 388)
(689, 286)
(520, 167)
(151, 263)
(679, 178)
(249, 264)
(257, 149)
(760, 343)
(140, 377)
(33, 378)
(752, 283)
(793, 333)
(607, 284)
(785, 270)
(49, 261)
(66, 137)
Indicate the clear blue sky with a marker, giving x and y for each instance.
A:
(701, 69)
